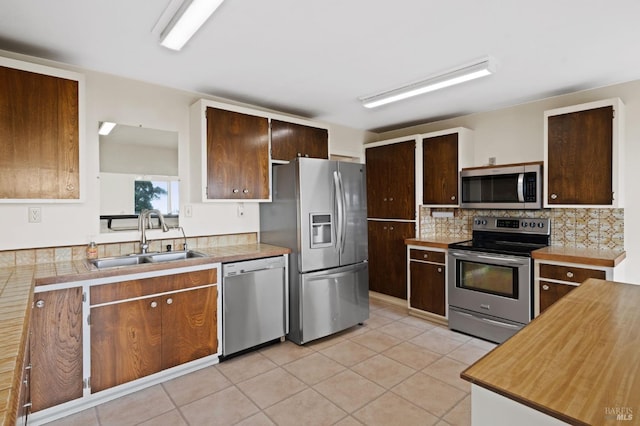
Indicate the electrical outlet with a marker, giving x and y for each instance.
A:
(240, 209)
(35, 215)
(188, 211)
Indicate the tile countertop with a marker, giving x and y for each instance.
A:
(436, 241)
(16, 296)
(607, 258)
(576, 360)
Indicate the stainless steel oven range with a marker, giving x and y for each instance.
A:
(490, 278)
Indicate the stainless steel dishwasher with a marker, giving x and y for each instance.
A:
(255, 303)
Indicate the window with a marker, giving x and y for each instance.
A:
(157, 194)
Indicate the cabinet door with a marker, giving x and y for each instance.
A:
(428, 287)
(237, 155)
(290, 140)
(550, 293)
(388, 258)
(39, 136)
(56, 348)
(391, 181)
(580, 155)
(440, 169)
(126, 342)
(189, 328)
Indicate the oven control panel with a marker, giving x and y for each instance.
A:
(523, 225)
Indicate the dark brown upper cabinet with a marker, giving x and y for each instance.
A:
(583, 155)
(291, 140)
(443, 156)
(41, 109)
(391, 182)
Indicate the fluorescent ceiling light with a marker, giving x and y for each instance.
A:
(457, 76)
(105, 128)
(188, 19)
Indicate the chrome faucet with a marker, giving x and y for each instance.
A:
(145, 215)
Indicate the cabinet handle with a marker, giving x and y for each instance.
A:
(453, 197)
(390, 198)
(384, 199)
(169, 301)
(27, 405)
(391, 228)
(439, 269)
(306, 155)
(154, 304)
(554, 196)
(299, 155)
(545, 287)
(235, 190)
(570, 274)
(40, 304)
(245, 191)
(426, 256)
(384, 227)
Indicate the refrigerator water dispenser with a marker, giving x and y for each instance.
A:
(321, 229)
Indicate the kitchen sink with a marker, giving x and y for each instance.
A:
(138, 259)
(172, 255)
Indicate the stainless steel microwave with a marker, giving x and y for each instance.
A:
(509, 186)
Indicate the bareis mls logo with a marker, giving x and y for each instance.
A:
(618, 413)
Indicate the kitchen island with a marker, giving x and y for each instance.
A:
(577, 363)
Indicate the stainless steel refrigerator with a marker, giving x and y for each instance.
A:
(319, 211)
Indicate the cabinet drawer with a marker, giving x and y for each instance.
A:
(428, 255)
(569, 273)
(143, 287)
(550, 293)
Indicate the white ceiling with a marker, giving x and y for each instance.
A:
(316, 58)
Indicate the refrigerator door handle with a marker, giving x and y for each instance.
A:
(343, 201)
(340, 210)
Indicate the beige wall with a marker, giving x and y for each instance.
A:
(516, 134)
(111, 98)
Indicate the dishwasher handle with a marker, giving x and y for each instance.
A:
(250, 266)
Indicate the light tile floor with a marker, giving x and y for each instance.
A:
(395, 369)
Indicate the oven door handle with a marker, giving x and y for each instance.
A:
(501, 259)
(490, 321)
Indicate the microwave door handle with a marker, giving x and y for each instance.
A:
(521, 187)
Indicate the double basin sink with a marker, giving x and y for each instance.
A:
(143, 258)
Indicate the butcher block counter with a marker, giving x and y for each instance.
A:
(16, 296)
(578, 362)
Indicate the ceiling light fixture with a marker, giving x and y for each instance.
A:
(105, 128)
(475, 70)
(187, 20)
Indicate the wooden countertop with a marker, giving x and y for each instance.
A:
(436, 241)
(16, 296)
(579, 358)
(593, 257)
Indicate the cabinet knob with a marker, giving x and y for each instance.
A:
(169, 301)
(70, 187)
(306, 155)
(453, 197)
(154, 304)
(384, 199)
(390, 198)
(570, 274)
(391, 228)
(545, 287)
(299, 155)
(426, 256)
(439, 269)
(554, 196)
(245, 191)
(40, 304)
(236, 190)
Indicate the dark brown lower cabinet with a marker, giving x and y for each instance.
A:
(136, 338)
(428, 287)
(388, 257)
(550, 293)
(56, 348)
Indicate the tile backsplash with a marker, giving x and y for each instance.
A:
(580, 228)
(10, 258)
